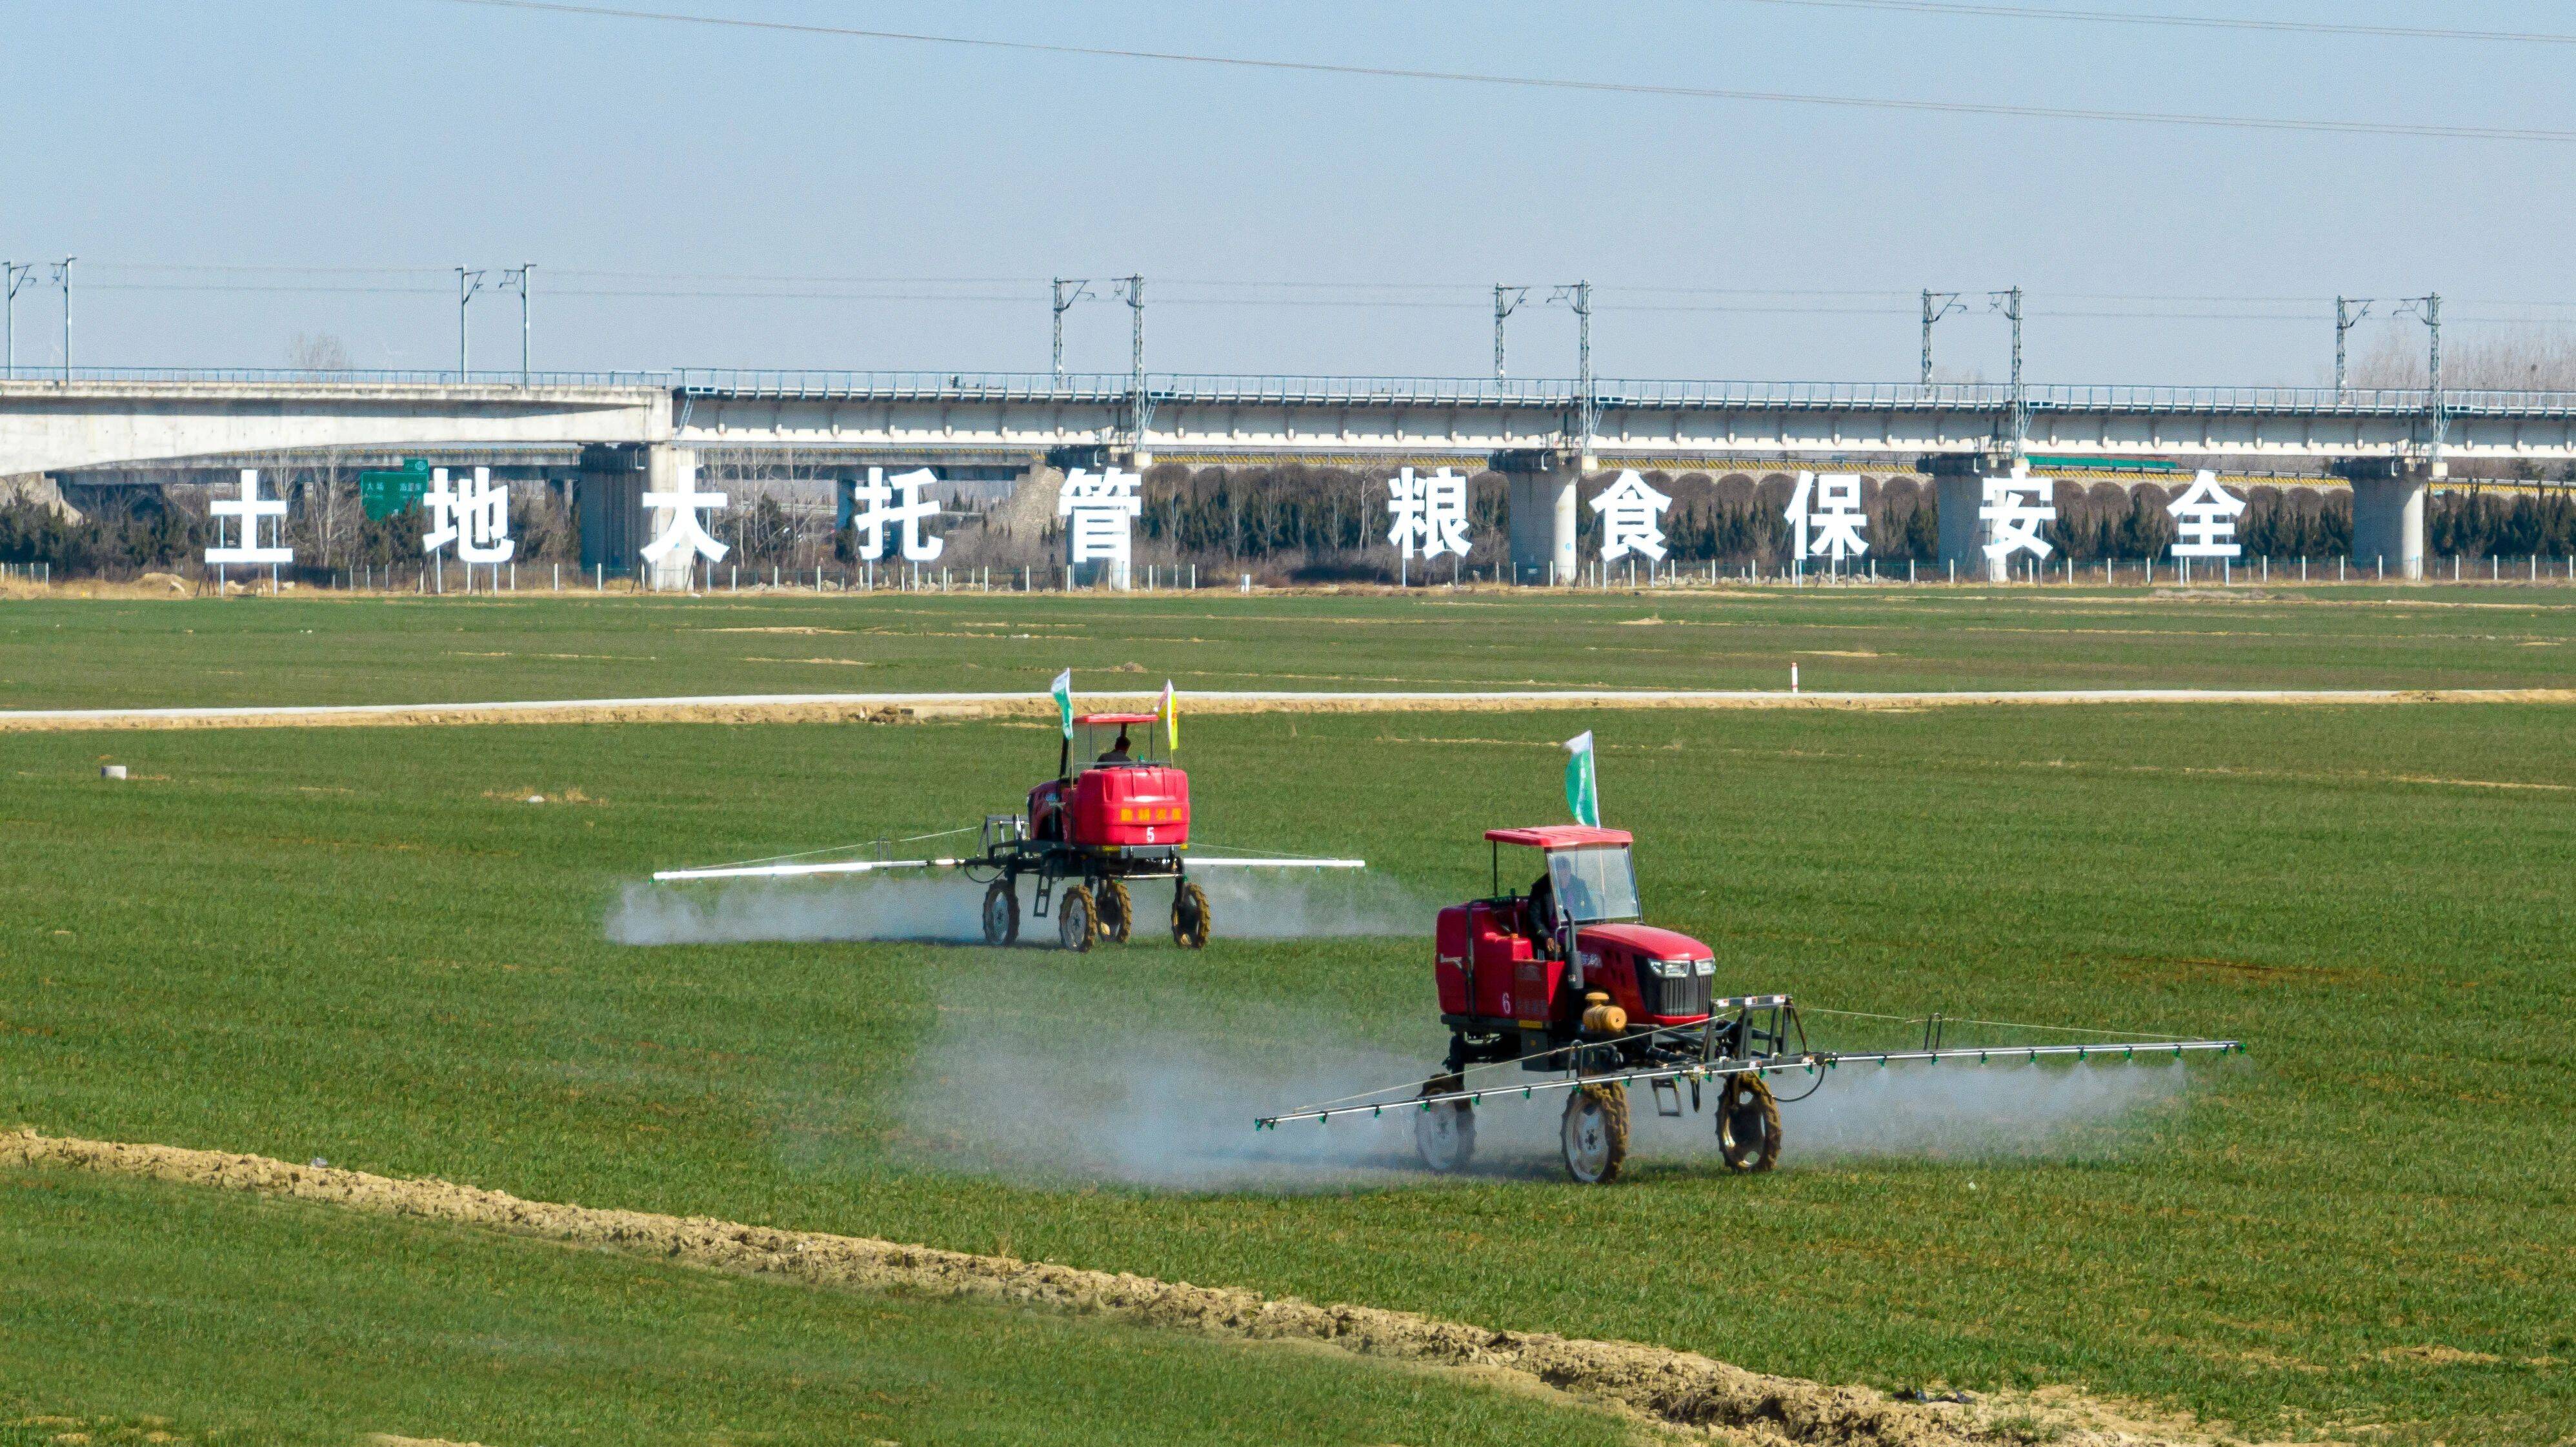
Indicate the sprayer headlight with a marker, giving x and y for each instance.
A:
(1673, 969)
(1706, 968)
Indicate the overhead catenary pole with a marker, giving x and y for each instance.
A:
(1134, 288)
(1506, 300)
(467, 283)
(1936, 305)
(2433, 368)
(63, 274)
(1578, 297)
(1136, 305)
(517, 279)
(1583, 355)
(1063, 301)
(2428, 309)
(13, 275)
(2349, 310)
(2018, 422)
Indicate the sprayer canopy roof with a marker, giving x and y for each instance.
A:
(1120, 719)
(1561, 836)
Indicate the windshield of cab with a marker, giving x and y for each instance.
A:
(1100, 745)
(1593, 885)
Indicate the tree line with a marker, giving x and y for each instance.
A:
(1299, 523)
(122, 532)
(1322, 522)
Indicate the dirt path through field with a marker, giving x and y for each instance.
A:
(1670, 1388)
(919, 707)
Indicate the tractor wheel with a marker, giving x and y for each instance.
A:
(1001, 913)
(1444, 1135)
(1189, 916)
(1595, 1133)
(1748, 1124)
(1077, 923)
(1117, 912)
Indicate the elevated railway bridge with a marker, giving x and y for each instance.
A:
(626, 431)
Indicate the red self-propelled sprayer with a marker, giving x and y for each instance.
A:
(1567, 981)
(1106, 819)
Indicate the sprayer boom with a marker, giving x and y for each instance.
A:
(1808, 1064)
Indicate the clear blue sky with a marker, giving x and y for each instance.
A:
(424, 134)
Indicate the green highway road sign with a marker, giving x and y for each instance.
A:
(384, 494)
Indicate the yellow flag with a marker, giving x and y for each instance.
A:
(1171, 715)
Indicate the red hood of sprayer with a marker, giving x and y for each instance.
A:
(1644, 939)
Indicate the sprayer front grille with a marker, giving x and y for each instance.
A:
(1675, 987)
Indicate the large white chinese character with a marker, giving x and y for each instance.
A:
(475, 517)
(2013, 523)
(248, 509)
(1430, 512)
(909, 508)
(1100, 509)
(2207, 519)
(680, 526)
(1630, 513)
(1833, 504)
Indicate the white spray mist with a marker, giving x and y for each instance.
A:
(947, 908)
(1039, 1074)
(1053, 1090)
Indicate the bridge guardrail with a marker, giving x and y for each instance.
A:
(903, 386)
(1803, 396)
(1378, 391)
(1253, 389)
(2352, 401)
(347, 376)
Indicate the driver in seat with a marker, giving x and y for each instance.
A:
(1538, 917)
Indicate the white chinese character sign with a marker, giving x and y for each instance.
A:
(247, 510)
(892, 501)
(679, 538)
(474, 515)
(1100, 512)
(1430, 513)
(2206, 517)
(1832, 505)
(2014, 508)
(1631, 519)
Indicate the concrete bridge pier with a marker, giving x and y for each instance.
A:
(673, 469)
(1546, 526)
(615, 524)
(2388, 516)
(1964, 535)
(609, 494)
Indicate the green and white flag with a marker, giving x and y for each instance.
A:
(1582, 790)
(1064, 699)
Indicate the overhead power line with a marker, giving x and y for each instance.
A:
(1530, 82)
(1248, 292)
(2206, 22)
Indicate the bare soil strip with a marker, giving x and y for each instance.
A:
(917, 707)
(1661, 1386)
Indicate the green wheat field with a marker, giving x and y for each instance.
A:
(364, 944)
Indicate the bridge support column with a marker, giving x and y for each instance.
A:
(2388, 519)
(609, 497)
(615, 524)
(1545, 523)
(674, 469)
(1964, 535)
